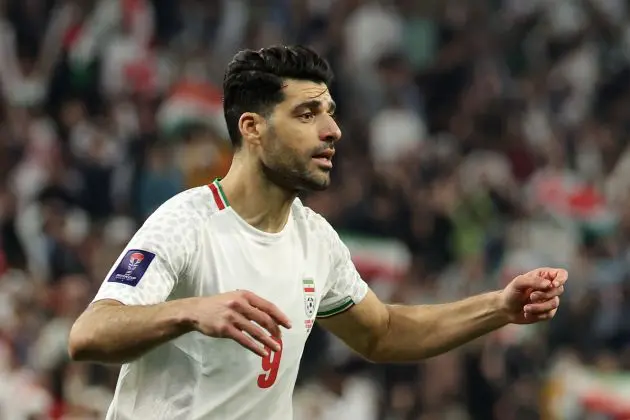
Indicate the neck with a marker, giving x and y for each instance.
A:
(261, 203)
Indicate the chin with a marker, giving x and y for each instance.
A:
(316, 182)
(319, 187)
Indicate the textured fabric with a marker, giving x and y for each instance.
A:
(201, 247)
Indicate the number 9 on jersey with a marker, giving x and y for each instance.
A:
(270, 366)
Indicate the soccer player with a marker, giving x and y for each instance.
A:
(209, 306)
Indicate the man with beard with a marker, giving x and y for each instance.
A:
(210, 304)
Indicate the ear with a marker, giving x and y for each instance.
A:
(252, 127)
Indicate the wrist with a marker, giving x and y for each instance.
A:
(500, 309)
(180, 316)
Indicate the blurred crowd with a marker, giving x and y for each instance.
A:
(481, 138)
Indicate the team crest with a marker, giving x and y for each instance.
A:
(310, 300)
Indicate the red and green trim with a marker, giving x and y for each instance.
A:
(219, 196)
(341, 307)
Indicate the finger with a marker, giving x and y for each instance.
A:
(557, 276)
(269, 308)
(531, 281)
(261, 318)
(539, 296)
(256, 332)
(540, 308)
(544, 316)
(561, 277)
(247, 342)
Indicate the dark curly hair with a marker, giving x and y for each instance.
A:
(253, 80)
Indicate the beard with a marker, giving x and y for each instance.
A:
(290, 178)
(286, 168)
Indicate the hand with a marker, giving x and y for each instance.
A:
(230, 315)
(534, 296)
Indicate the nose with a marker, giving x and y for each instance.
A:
(331, 133)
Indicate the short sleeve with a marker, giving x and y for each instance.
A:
(154, 260)
(347, 288)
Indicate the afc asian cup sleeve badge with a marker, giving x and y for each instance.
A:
(132, 267)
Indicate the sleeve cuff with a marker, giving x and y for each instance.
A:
(343, 306)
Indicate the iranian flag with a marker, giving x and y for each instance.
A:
(384, 259)
(309, 286)
(119, 31)
(192, 103)
(573, 388)
(85, 39)
(567, 197)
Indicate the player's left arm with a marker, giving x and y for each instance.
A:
(400, 333)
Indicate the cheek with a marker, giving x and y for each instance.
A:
(293, 145)
(280, 153)
(292, 142)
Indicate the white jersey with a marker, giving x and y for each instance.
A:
(196, 245)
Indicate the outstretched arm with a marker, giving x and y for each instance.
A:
(399, 333)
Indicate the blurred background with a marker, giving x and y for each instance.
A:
(481, 138)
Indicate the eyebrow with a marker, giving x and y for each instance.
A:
(316, 104)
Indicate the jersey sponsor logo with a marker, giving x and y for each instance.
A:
(132, 267)
(310, 302)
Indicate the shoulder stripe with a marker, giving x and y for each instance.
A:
(218, 195)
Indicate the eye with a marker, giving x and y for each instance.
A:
(307, 116)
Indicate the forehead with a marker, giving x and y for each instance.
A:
(298, 91)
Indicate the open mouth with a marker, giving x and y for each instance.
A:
(324, 159)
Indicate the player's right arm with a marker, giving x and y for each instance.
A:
(130, 314)
(111, 332)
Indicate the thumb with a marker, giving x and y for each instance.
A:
(530, 281)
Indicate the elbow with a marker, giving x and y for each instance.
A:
(377, 349)
(76, 353)
(84, 341)
(78, 344)
(377, 354)
(374, 358)
(387, 346)
(83, 345)
(384, 354)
